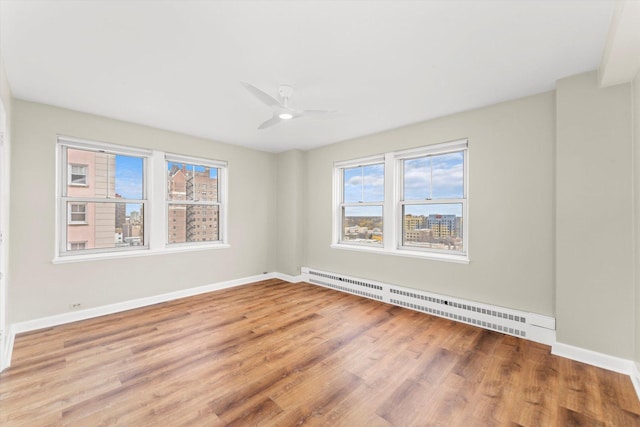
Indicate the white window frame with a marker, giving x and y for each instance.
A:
(393, 220)
(340, 205)
(221, 203)
(156, 218)
(434, 150)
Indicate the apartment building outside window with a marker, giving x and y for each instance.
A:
(194, 214)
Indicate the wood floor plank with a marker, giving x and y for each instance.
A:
(278, 354)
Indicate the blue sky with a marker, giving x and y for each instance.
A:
(129, 177)
(432, 177)
(129, 180)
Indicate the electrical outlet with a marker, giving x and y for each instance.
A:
(75, 306)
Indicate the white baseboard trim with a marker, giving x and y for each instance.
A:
(635, 378)
(590, 357)
(7, 350)
(74, 316)
(288, 278)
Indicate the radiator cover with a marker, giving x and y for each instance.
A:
(531, 326)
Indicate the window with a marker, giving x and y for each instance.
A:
(107, 215)
(77, 174)
(77, 213)
(362, 204)
(77, 246)
(433, 202)
(419, 195)
(115, 201)
(188, 207)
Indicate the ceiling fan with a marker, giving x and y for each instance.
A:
(282, 110)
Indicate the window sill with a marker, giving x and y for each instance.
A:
(460, 259)
(135, 253)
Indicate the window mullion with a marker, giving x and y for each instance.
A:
(389, 233)
(157, 218)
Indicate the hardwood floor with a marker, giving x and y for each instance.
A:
(276, 353)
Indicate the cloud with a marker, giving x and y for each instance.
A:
(445, 173)
(364, 184)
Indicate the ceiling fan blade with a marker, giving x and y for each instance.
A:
(262, 96)
(272, 121)
(311, 112)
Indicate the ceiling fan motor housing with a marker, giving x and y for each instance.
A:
(285, 91)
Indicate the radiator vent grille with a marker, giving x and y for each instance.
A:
(465, 319)
(346, 280)
(531, 326)
(468, 307)
(347, 289)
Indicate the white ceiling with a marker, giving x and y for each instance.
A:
(178, 65)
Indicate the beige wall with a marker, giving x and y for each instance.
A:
(40, 288)
(511, 207)
(594, 223)
(290, 211)
(5, 168)
(636, 217)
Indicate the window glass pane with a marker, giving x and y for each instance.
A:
(105, 225)
(364, 184)
(362, 224)
(193, 223)
(191, 182)
(128, 177)
(434, 177)
(434, 226)
(104, 175)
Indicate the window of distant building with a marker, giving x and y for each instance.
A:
(77, 246)
(77, 174)
(186, 207)
(420, 193)
(77, 213)
(108, 214)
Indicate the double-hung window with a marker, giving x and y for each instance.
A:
(102, 198)
(194, 216)
(433, 199)
(117, 201)
(361, 207)
(420, 195)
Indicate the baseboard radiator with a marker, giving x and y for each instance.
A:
(531, 326)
